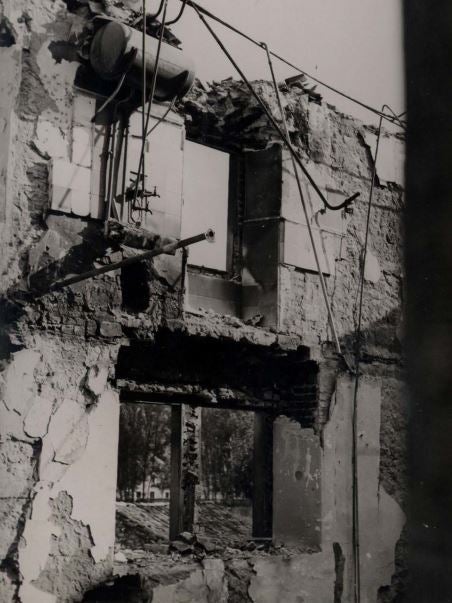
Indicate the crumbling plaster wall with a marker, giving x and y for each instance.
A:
(59, 428)
(58, 412)
(337, 151)
(59, 417)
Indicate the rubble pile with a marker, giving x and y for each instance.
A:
(226, 112)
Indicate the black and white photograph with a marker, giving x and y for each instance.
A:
(225, 301)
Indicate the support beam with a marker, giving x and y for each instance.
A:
(185, 468)
(263, 475)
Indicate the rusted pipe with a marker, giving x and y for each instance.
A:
(209, 236)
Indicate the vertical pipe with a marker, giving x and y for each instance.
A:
(143, 108)
(117, 161)
(111, 153)
(124, 173)
(305, 211)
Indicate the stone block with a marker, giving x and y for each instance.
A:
(110, 329)
(391, 158)
(82, 146)
(84, 109)
(69, 175)
(50, 140)
(61, 199)
(298, 249)
(80, 203)
(70, 187)
(37, 420)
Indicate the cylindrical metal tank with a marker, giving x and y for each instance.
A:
(115, 45)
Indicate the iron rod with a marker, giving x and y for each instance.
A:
(209, 236)
(273, 121)
(305, 209)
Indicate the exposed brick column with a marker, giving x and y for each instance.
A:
(185, 468)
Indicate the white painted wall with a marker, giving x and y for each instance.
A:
(206, 193)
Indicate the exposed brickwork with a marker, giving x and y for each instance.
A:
(59, 406)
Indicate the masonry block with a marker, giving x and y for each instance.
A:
(84, 109)
(82, 146)
(70, 187)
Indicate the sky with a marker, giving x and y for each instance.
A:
(354, 45)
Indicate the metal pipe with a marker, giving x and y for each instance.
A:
(143, 107)
(209, 236)
(355, 476)
(305, 209)
(117, 159)
(151, 99)
(111, 155)
(124, 171)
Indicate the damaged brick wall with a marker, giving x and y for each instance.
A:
(55, 406)
(59, 408)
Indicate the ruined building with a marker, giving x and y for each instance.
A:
(239, 324)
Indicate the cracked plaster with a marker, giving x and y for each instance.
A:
(29, 414)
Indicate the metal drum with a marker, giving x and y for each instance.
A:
(117, 48)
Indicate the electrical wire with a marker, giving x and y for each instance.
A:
(356, 539)
(143, 108)
(112, 96)
(305, 210)
(162, 118)
(159, 10)
(275, 124)
(401, 123)
(209, 14)
(179, 16)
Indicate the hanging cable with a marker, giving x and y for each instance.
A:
(151, 17)
(401, 123)
(162, 118)
(305, 210)
(179, 16)
(356, 538)
(112, 96)
(116, 91)
(159, 10)
(200, 9)
(143, 107)
(275, 124)
(151, 99)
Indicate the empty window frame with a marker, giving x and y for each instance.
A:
(217, 464)
(206, 204)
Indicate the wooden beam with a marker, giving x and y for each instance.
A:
(176, 472)
(185, 467)
(263, 475)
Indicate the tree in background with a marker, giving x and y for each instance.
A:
(227, 454)
(144, 447)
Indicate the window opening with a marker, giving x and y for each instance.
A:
(205, 203)
(225, 506)
(185, 473)
(142, 508)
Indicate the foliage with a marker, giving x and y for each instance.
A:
(226, 451)
(144, 447)
(227, 454)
